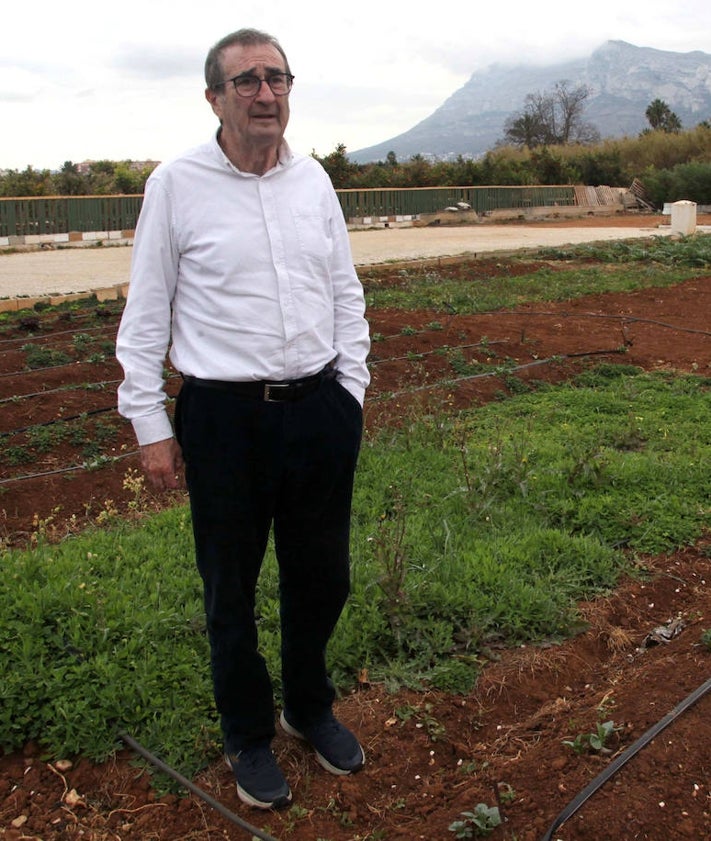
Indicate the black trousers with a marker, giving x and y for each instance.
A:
(252, 464)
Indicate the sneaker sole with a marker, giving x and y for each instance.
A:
(251, 800)
(333, 769)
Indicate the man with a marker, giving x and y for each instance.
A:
(242, 263)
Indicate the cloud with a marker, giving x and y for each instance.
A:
(145, 61)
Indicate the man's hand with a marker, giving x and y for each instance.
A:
(162, 463)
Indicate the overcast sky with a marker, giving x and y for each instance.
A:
(82, 80)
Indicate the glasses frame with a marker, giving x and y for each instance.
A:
(266, 80)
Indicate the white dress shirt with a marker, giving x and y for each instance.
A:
(246, 277)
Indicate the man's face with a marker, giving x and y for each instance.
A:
(252, 122)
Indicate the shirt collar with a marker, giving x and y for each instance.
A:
(285, 157)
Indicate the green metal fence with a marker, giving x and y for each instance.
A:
(64, 214)
(409, 202)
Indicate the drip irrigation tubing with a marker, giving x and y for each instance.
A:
(203, 795)
(95, 386)
(388, 396)
(624, 757)
(27, 371)
(501, 371)
(631, 319)
(91, 465)
(34, 337)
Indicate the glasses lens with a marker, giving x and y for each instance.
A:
(280, 83)
(247, 85)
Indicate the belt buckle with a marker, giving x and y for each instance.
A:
(268, 387)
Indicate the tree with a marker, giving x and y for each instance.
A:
(552, 119)
(29, 182)
(661, 117)
(69, 182)
(338, 167)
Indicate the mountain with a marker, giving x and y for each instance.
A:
(623, 80)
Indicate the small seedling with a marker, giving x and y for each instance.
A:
(596, 741)
(482, 821)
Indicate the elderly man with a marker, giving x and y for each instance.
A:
(242, 266)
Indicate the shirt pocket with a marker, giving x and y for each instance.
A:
(313, 235)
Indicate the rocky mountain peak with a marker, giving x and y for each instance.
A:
(623, 80)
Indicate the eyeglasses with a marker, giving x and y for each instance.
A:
(247, 85)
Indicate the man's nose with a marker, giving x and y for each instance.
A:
(264, 92)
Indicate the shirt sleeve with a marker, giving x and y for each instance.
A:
(351, 332)
(144, 332)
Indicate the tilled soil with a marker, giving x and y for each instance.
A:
(503, 743)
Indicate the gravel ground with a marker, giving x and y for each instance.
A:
(81, 269)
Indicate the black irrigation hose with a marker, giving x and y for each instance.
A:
(203, 795)
(55, 421)
(624, 757)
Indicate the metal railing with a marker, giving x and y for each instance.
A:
(20, 217)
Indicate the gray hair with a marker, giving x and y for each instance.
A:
(244, 38)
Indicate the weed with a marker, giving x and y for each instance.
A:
(44, 437)
(515, 384)
(81, 342)
(44, 357)
(17, 454)
(391, 560)
(463, 368)
(135, 482)
(706, 638)
(507, 794)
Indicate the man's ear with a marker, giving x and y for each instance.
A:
(211, 97)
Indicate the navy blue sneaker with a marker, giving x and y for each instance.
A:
(337, 749)
(260, 782)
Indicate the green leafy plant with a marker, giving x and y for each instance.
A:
(44, 357)
(424, 719)
(481, 822)
(595, 741)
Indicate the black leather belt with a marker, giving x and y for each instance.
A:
(270, 391)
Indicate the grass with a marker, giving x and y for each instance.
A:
(655, 263)
(471, 528)
(487, 526)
